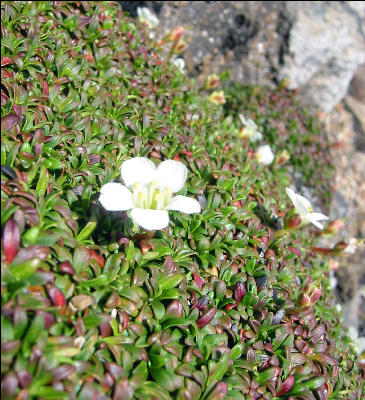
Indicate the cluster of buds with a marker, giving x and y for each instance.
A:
(175, 37)
(211, 82)
(333, 227)
(311, 293)
(282, 157)
(217, 97)
(292, 220)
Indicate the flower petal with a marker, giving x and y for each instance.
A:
(150, 220)
(301, 204)
(137, 169)
(291, 194)
(317, 224)
(318, 216)
(315, 217)
(115, 197)
(172, 174)
(184, 204)
(265, 155)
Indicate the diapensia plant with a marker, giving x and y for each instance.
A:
(140, 250)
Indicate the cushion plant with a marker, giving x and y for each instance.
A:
(224, 300)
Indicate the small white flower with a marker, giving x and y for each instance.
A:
(338, 307)
(265, 155)
(358, 341)
(249, 130)
(179, 63)
(353, 244)
(145, 16)
(148, 192)
(333, 280)
(304, 208)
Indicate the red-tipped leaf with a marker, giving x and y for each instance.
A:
(286, 386)
(11, 240)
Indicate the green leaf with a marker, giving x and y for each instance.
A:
(86, 231)
(158, 309)
(48, 393)
(101, 280)
(151, 390)
(315, 383)
(42, 180)
(47, 238)
(216, 373)
(7, 213)
(26, 269)
(167, 379)
(175, 322)
(130, 251)
(237, 351)
(112, 266)
(170, 281)
(34, 331)
(119, 339)
(169, 294)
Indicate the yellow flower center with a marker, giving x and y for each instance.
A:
(245, 132)
(151, 196)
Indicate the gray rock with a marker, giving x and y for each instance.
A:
(326, 46)
(316, 45)
(357, 87)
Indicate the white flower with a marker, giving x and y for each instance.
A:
(352, 246)
(249, 130)
(264, 155)
(304, 209)
(358, 341)
(145, 16)
(148, 192)
(179, 63)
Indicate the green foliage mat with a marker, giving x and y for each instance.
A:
(206, 308)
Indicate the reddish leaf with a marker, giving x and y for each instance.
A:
(9, 121)
(49, 319)
(67, 268)
(6, 61)
(4, 98)
(324, 358)
(57, 297)
(24, 378)
(198, 280)
(175, 309)
(45, 88)
(206, 318)
(239, 291)
(286, 386)
(97, 257)
(201, 303)
(63, 371)
(295, 251)
(11, 240)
